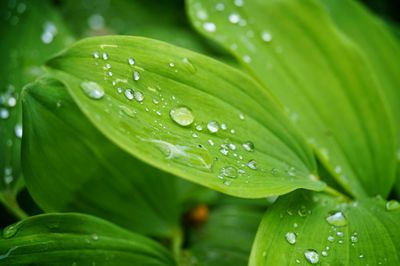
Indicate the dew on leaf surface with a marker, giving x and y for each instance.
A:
(182, 115)
(92, 90)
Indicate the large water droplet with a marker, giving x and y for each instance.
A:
(312, 256)
(291, 237)
(228, 171)
(213, 126)
(248, 146)
(392, 205)
(92, 90)
(337, 219)
(182, 115)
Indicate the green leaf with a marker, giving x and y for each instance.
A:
(236, 222)
(77, 239)
(294, 49)
(70, 166)
(29, 39)
(164, 109)
(368, 234)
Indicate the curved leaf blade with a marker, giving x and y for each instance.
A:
(369, 237)
(77, 239)
(70, 166)
(294, 49)
(209, 91)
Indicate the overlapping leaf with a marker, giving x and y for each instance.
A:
(305, 229)
(329, 92)
(77, 239)
(186, 114)
(239, 223)
(29, 38)
(70, 166)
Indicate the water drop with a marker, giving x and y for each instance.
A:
(246, 58)
(211, 142)
(228, 171)
(213, 126)
(312, 256)
(96, 55)
(18, 130)
(182, 115)
(239, 2)
(10, 230)
(234, 18)
(4, 114)
(195, 135)
(129, 94)
(188, 65)
(210, 27)
(136, 75)
(354, 238)
(131, 61)
(266, 36)
(291, 238)
(337, 219)
(248, 146)
(361, 256)
(219, 6)
(338, 169)
(331, 238)
(199, 127)
(232, 146)
(128, 111)
(139, 96)
(224, 150)
(291, 171)
(324, 253)
(252, 164)
(107, 66)
(92, 90)
(392, 205)
(241, 116)
(95, 237)
(105, 56)
(224, 126)
(232, 131)
(171, 64)
(339, 234)
(11, 102)
(274, 171)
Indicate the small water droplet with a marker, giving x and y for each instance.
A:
(266, 36)
(274, 171)
(213, 126)
(95, 237)
(339, 234)
(11, 102)
(136, 75)
(392, 205)
(252, 164)
(354, 238)
(18, 130)
(105, 56)
(361, 256)
(248, 146)
(219, 6)
(128, 111)
(241, 116)
(92, 90)
(246, 58)
(291, 238)
(312, 256)
(291, 171)
(324, 253)
(209, 26)
(331, 238)
(228, 171)
(232, 146)
(96, 55)
(224, 150)
(234, 18)
(4, 113)
(224, 126)
(199, 127)
(139, 96)
(239, 2)
(182, 115)
(211, 142)
(131, 61)
(188, 65)
(337, 218)
(195, 135)
(129, 94)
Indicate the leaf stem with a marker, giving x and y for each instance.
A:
(177, 239)
(331, 191)
(9, 200)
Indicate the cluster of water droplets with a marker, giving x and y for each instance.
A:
(233, 15)
(14, 11)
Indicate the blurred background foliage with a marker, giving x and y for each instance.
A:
(34, 30)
